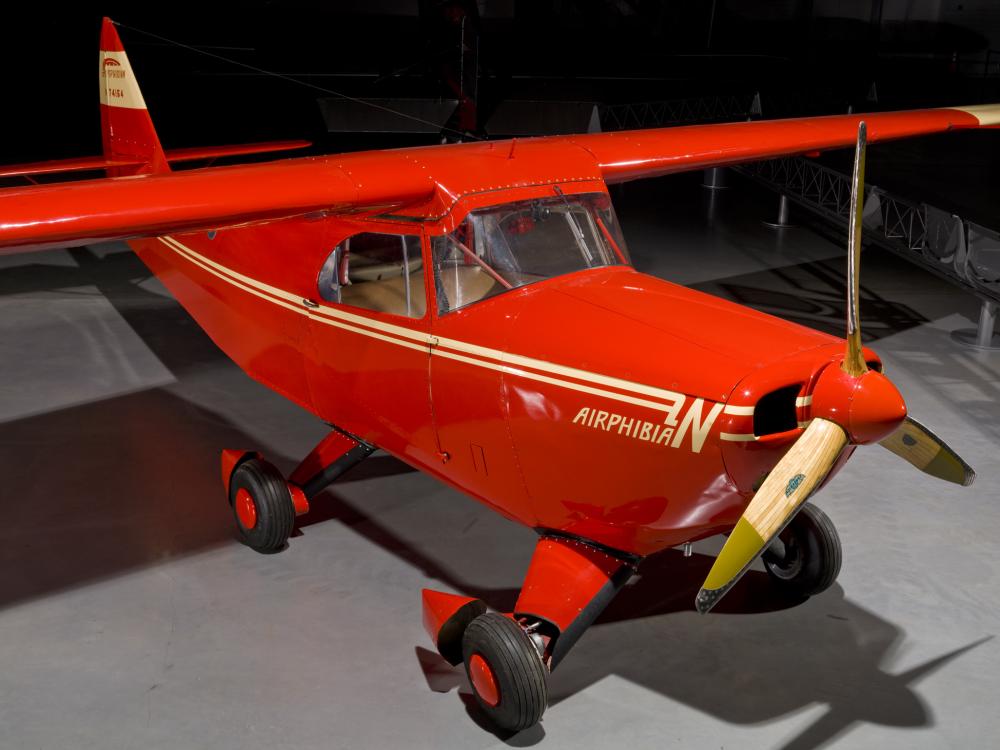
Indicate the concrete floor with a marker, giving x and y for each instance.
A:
(130, 617)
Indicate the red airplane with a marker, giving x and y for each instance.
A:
(471, 309)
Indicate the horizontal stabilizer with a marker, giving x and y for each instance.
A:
(244, 149)
(84, 164)
(89, 163)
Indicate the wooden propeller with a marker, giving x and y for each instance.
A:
(813, 455)
(929, 453)
(788, 485)
(854, 360)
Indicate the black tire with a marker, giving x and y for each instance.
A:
(521, 677)
(275, 513)
(811, 558)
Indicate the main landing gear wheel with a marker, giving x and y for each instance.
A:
(506, 671)
(262, 504)
(805, 558)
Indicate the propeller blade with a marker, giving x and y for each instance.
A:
(929, 453)
(854, 360)
(788, 485)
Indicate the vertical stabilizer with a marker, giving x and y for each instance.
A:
(127, 129)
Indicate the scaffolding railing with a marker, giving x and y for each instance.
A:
(960, 251)
(637, 115)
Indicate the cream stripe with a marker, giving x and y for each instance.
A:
(372, 334)
(507, 358)
(294, 308)
(230, 272)
(738, 411)
(537, 364)
(324, 312)
(804, 400)
(737, 437)
(555, 381)
(303, 311)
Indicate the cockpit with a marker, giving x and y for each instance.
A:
(504, 247)
(493, 250)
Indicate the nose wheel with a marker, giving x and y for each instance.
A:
(262, 505)
(506, 671)
(805, 558)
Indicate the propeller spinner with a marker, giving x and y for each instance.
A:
(851, 404)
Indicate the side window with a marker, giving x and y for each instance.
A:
(381, 272)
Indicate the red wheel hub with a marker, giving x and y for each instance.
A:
(246, 511)
(483, 680)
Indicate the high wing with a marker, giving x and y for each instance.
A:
(61, 215)
(142, 197)
(629, 155)
(144, 205)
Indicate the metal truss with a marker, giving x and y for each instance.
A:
(964, 253)
(961, 252)
(676, 111)
(819, 188)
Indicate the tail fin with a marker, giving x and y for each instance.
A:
(128, 131)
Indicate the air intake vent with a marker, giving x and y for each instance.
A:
(775, 412)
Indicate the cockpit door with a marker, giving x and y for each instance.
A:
(469, 401)
(370, 331)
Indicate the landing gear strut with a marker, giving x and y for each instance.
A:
(508, 657)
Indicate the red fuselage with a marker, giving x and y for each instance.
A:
(604, 403)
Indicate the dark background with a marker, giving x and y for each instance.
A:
(808, 56)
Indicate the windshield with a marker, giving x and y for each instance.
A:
(514, 244)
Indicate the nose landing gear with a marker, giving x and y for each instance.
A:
(805, 558)
(508, 657)
(507, 674)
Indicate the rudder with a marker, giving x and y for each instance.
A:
(126, 127)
